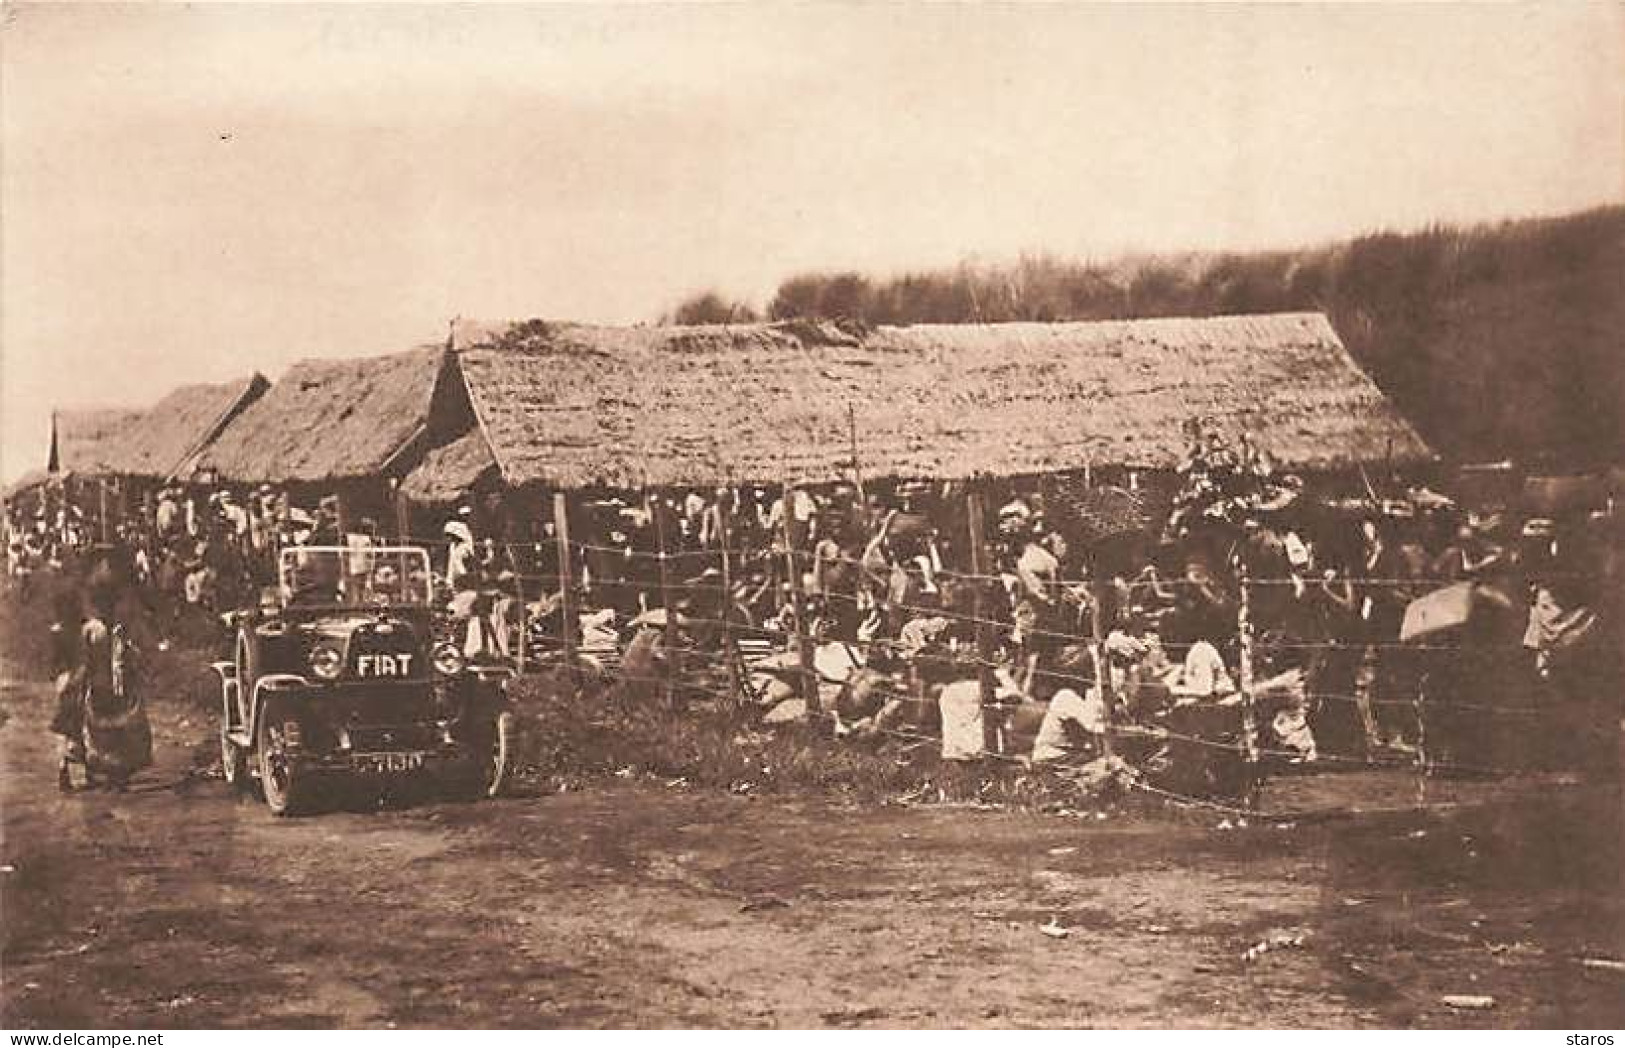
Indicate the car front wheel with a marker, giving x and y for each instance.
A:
(247, 671)
(287, 789)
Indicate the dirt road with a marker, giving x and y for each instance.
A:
(638, 904)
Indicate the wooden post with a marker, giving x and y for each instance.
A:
(804, 647)
(1423, 770)
(524, 614)
(979, 568)
(567, 629)
(730, 654)
(403, 516)
(1103, 668)
(668, 635)
(1249, 717)
(101, 486)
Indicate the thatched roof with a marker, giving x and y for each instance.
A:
(448, 472)
(179, 427)
(91, 441)
(329, 419)
(152, 442)
(575, 405)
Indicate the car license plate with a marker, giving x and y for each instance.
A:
(387, 763)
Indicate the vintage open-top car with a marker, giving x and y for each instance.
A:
(337, 676)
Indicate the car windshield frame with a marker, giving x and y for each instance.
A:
(349, 577)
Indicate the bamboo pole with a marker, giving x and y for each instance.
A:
(567, 628)
(1249, 715)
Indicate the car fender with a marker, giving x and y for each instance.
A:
(281, 682)
(227, 674)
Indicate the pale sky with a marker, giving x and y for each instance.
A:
(192, 193)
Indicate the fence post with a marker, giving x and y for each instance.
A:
(730, 653)
(1422, 768)
(1103, 670)
(668, 633)
(519, 595)
(974, 514)
(402, 506)
(567, 627)
(1249, 715)
(809, 677)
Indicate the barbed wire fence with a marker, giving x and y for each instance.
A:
(753, 617)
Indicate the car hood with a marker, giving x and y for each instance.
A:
(342, 627)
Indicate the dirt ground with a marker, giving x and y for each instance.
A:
(637, 904)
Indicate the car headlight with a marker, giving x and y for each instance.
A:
(448, 660)
(326, 661)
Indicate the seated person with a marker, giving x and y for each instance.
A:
(1139, 666)
(1073, 724)
(869, 701)
(1202, 676)
(1555, 623)
(314, 582)
(385, 585)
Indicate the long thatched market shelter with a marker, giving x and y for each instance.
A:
(132, 451)
(568, 405)
(168, 437)
(537, 405)
(153, 443)
(351, 427)
(88, 442)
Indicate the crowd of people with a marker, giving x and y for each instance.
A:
(182, 553)
(881, 586)
(872, 603)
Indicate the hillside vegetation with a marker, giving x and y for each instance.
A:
(1505, 340)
